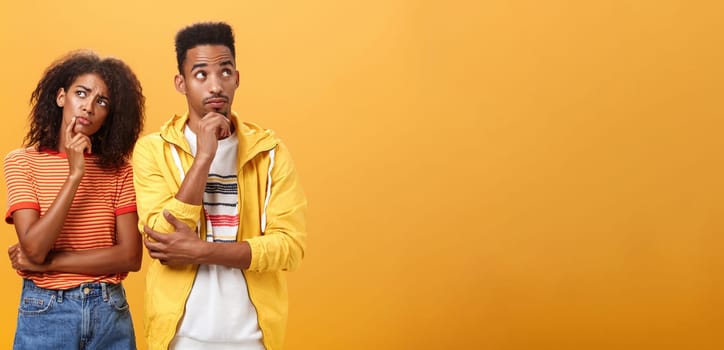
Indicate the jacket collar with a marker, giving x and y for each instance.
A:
(252, 138)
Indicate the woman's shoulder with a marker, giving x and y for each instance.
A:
(126, 168)
(31, 156)
(22, 153)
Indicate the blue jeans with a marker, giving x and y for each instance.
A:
(92, 316)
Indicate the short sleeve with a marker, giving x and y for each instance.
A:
(126, 198)
(20, 184)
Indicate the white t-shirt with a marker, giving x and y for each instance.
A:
(219, 314)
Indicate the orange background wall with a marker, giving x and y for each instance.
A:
(482, 175)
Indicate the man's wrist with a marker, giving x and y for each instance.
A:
(203, 159)
(203, 253)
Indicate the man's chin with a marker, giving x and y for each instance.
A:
(223, 112)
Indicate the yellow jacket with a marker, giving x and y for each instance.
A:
(276, 231)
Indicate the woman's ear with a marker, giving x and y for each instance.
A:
(60, 98)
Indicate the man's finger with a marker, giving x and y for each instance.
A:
(151, 245)
(162, 258)
(156, 255)
(178, 224)
(153, 234)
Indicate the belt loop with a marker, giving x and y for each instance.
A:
(60, 296)
(104, 290)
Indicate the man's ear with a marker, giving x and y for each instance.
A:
(237, 78)
(180, 83)
(60, 98)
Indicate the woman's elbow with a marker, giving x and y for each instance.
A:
(35, 255)
(135, 268)
(135, 261)
(37, 259)
(133, 258)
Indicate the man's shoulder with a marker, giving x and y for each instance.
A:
(147, 145)
(254, 133)
(250, 127)
(151, 136)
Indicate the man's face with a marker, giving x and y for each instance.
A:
(209, 80)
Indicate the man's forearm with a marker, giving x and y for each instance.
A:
(194, 184)
(235, 255)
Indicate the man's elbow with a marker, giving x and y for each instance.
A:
(296, 255)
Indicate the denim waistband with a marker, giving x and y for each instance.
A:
(85, 290)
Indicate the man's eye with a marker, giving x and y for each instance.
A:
(200, 75)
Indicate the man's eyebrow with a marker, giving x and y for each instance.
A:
(198, 65)
(227, 63)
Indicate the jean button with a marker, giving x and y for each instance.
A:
(86, 290)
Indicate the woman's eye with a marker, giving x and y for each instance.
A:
(80, 93)
(103, 103)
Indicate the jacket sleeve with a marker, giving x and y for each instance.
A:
(156, 187)
(282, 245)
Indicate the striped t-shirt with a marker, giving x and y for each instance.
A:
(34, 179)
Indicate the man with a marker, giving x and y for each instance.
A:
(223, 210)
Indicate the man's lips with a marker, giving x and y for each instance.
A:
(216, 102)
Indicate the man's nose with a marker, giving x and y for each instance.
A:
(214, 84)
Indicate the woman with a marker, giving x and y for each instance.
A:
(71, 199)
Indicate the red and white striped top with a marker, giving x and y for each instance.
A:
(34, 179)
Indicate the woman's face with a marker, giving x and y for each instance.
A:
(86, 104)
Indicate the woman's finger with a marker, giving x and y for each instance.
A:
(69, 130)
(80, 143)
